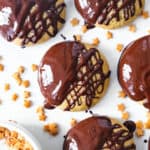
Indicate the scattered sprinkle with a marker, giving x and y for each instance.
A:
(132, 28)
(21, 69)
(122, 94)
(109, 35)
(27, 103)
(84, 28)
(1, 67)
(145, 14)
(51, 128)
(26, 94)
(121, 107)
(125, 115)
(7, 87)
(96, 41)
(34, 67)
(74, 22)
(73, 122)
(119, 47)
(14, 97)
(26, 83)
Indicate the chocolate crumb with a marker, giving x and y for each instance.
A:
(64, 37)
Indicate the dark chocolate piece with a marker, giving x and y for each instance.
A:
(99, 10)
(98, 133)
(61, 73)
(134, 70)
(30, 19)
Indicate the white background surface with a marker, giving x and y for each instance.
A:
(14, 56)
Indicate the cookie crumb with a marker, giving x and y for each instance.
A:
(74, 22)
(27, 103)
(121, 107)
(125, 115)
(14, 97)
(84, 28)
(96, 41)
(132, 28)
(51, 128)
(109, 35)
(122, 94)
(119, 47)
(73, 122)
(34, 67)
(1, 67)
(145, 14)
(7, 87)
(26, 83)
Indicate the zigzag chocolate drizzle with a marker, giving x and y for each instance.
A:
(31, 19)
(104, 11)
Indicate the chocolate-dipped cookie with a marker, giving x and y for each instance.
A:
(134, 70)
(73, 76)
(100, 133)
(109, 13)
(27, 22)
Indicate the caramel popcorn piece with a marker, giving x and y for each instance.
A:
(84, 28)
(122, 94)
(121, 107)
(27, 103)
(145, 14)
(96, 41)
(109, 35)
(119, 47)
(132, 28)
(34, 67)
(73, 122)
(14, 97)
(74, 22)
(21, 69)
(125, 115)
(7, 87)
(1, 67)
(51, 128)
(26, 83)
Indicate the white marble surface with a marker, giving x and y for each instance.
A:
(14, 56)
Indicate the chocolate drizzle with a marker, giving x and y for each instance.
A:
(77, 72)
(104, 11)
(134, 70)
(98, 133)
(31, 19)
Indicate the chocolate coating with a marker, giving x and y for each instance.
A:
(97, 133)
(98, 10)
(61, 73)
(27, 23)
(134, 70)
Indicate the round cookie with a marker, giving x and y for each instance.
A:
(109, 14)
(134, 70)
(26, 22)
(100, 133)
(73, 76)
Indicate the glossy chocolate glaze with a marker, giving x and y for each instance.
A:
(134, 70)
(97, 133)
(61, 73)
(98, 10)
(30, 24)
